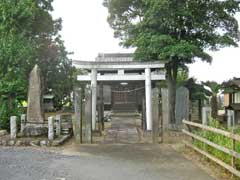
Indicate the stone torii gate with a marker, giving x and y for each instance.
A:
(121, 72)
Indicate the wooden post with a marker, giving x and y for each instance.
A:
(205, 118)
(143, 114)
(161, 118)
(101, 110)
(233, 162)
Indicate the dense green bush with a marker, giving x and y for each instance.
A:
(6, 113)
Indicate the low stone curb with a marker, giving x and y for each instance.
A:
(61, 140)
(35, 143)
(3, 133)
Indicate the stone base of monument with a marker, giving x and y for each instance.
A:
(34, 130)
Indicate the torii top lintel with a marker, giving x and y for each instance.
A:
(118, 65)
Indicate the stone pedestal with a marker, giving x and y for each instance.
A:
(34, 130)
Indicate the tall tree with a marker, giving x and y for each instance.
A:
(175, 32)
(29, 35)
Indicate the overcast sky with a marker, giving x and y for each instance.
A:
(87, 33)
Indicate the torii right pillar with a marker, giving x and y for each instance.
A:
(148, 95)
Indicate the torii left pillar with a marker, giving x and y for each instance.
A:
(148, 94)
(94, 96)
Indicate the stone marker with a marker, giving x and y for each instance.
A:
(182, 105)
(206, 113)
(230, 118)
(88, 115)
(23, 122)
(155, 115)
(78, 115)
(50, 128)
(13, 127)
(35, 120)
(58, 125)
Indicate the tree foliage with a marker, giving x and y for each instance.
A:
(214, 88)
(196, 90)
(28, 36)
(175, 32)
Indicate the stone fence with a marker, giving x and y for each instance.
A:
(54, 137)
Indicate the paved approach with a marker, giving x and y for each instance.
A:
(121, 156)
(123, 129)
(98, 162)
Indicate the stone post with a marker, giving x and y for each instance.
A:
(58, 125)
(165, 108)
(50, 128)
(148, 94)
(230, 119)
(206, 113)
(13, 127)
(23, 122)
(78, 115)
(88, 115)
(155, 115)
(94, 97)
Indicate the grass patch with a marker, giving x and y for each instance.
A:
(218, 139)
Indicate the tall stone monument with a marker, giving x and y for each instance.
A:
(35, 119)
(182, 105)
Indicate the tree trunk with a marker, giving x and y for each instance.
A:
(171, 81)
(214, 106)
(10, 102)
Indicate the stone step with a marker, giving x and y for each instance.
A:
(128, 107)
